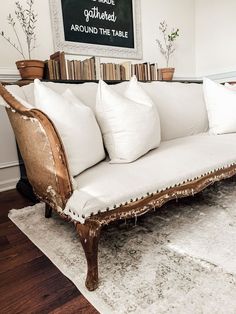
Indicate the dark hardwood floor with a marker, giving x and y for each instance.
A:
(29, 282)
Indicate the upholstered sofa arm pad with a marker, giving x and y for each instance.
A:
(42, 152)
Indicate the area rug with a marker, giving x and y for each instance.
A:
(179, 259)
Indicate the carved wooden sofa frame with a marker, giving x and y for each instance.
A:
(38, 140)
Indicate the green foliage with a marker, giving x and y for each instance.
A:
(27, 20)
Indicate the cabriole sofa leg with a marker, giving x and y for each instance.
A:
(48, 211)
(89, 234)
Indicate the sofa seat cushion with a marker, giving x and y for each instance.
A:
(175, 161)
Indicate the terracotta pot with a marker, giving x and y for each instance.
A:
(30, 69)
(167, 74)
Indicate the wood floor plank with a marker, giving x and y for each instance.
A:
(18, 255)
(39, 296)
(29, 282)
(71, 307)
(16, 277)
(4, 243)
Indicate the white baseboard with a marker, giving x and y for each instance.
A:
(9, 175)
(8, 184)
(9, 164)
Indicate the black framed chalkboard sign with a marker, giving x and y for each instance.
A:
(108, 28)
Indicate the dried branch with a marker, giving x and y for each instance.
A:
(12, 23)
(167, 48)
(27, 19)
(11, 43)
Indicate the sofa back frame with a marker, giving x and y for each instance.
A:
(59, 188)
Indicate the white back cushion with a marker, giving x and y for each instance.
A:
(130, 123)
(181, 107)
(76, 125)
(221, 107)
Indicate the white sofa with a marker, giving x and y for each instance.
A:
(188, 160)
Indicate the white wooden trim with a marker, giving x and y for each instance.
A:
(12, 177)
(10, 164)
(12, 74)
(187, 78)
(8, 184)
(223, 77)
(9, 74)
(220, 77)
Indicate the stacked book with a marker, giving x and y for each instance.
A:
(59, 68)
(56, 67)
(124, 71)
(146, 71)
(115, 71)
(86, 70)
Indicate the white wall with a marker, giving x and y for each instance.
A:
(178, 13)
(215, 37)
(9, 55)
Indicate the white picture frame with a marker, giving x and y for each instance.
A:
(91, 49)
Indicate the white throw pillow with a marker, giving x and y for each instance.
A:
(221, 107)
(130, 124)
(76, 125)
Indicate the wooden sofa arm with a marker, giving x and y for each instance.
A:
(42, 151)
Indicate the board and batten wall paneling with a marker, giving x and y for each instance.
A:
(9, 165)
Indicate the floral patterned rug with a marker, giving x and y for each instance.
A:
(179, 259)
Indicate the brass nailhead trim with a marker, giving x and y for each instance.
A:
(167, 188)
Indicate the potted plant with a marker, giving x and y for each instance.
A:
(167, 49)
(29, 69)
